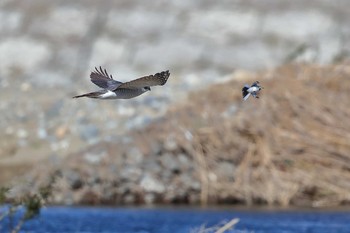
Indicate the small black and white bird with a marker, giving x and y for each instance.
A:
(251, 90)
(113, 89)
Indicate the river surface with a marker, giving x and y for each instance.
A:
(177, 219)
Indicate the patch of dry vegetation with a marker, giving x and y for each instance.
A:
(291, 147)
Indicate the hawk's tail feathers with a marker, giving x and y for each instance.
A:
(95, 95)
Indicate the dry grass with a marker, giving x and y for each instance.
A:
(292, 146)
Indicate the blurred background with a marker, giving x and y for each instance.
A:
(192, 140)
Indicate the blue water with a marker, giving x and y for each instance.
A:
(81, 219)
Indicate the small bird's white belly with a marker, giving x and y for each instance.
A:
(108, 95)
(253, 89)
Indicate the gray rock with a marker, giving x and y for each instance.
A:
(155, 102)
(156, 148)
(186, 180)
(167, 51)
(125, 110)
(89, 133)
(194, 198)
(230, 111)
(167, 175)
(42, 130)
(170, 162)
(73, 178)
(149, 198)
(129, 199)
(102, 47)
(220, 25)
(10, 21)
(185, 162)
(59, 24)
(152, 166)
(239, 55)
(22, 133)
(66, 198)
(24, 54)
(130, 173)
(132, 24)
(95, 158)
(152, 184)
(170, 144)
(225, 170)
(137, 122)
(52, 79)
(291, 25)
(54, 109)
(58, 145)
(329, 48)
(134, 156)
(196, 186)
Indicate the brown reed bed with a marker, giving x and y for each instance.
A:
(290, 147)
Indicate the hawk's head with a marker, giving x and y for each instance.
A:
(147, 88)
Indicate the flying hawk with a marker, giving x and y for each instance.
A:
(113, 89)
(251, 90)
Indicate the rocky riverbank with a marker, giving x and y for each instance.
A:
(290, 147)
(48, 48)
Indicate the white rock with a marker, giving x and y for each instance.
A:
(9, 21)
(134, 156)
(149, 198)
(22, 133)
(220, 25)
(42, 133)
(125, 110)
(170, 144)
(329, 48)
(64, 23)
(95, 158)
(151, 184)
(298, 25)
(139, 22)
(240, 55)
(25, 86)
(51, 79)
(168, 54)
(24, 54)
(106, 52)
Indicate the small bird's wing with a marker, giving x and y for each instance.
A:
(245, 93)
(246, 96)
(256, 84)
(102, 79)
(158, 79)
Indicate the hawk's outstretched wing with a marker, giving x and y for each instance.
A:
(102, 79)
(158, 79)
